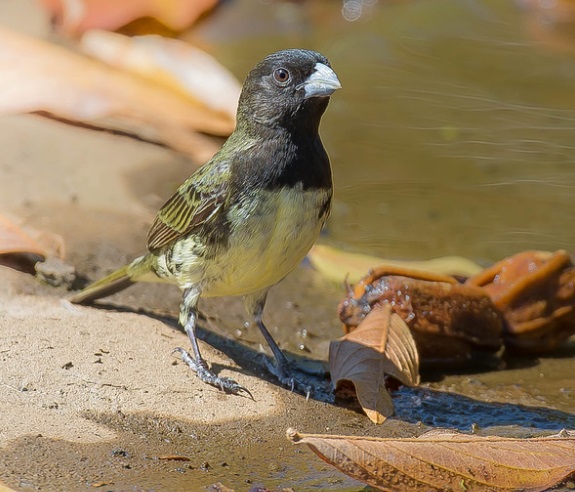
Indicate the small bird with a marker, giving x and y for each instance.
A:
(247, 218)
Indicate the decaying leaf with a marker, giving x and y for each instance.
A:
(449, 321)
(535, 292)
(339, 265)
(77, 16)
(444, 460)
(382, 344)
(40, 77)
(179, 66)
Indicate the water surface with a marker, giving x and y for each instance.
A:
(453, 133)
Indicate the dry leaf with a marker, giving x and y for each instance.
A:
(14, 239)
(448, 320)
(444, 460)
(381, 344)
(339, 265)
(179, 66)
(21, 247)
(39, 76)
(535, 292)
(77, 16)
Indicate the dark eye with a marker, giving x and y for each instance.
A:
(281, 75)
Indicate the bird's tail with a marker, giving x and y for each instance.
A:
(115, 282)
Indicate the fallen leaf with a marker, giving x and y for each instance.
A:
(76, 16)
(40, 77)
(448, 320)
(339, 265)
(13, 239)
(381, 344)
(179, 66)
(535, 292)
(445, 460)
(21, 247)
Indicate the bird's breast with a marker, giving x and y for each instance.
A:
(270, 234)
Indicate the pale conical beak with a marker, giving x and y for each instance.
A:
(322, 82)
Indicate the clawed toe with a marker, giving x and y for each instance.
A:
(228, 385)
(283, 373)
(204, 373)
(280, 370)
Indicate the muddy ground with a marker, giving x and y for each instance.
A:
(92, 396)
(93, 399)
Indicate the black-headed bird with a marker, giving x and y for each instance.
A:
(247, 218)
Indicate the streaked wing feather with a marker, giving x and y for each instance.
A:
(197, 201)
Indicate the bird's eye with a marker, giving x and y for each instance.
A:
(281, 75)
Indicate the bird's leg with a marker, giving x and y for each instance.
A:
(282, 368)
(188, 315)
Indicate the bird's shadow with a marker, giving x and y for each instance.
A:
(414, 405)
(442, 409)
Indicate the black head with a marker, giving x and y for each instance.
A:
(290, 88)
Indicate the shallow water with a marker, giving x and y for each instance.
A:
(453, 133)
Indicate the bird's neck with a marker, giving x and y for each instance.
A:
(299, 124)
(282, 157)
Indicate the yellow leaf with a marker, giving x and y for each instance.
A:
(338, 265)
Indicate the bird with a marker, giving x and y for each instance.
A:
(246, 219)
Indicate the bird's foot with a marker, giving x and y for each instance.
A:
(283, 372)
(200, 367)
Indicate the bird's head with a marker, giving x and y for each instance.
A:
(290, 88)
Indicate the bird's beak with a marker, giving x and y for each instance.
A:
(322, 82)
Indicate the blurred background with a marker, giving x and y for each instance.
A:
(453, 134)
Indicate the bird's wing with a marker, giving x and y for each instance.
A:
(197, 201)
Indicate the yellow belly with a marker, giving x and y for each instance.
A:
(271, 238)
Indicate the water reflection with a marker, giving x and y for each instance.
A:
(454, 131)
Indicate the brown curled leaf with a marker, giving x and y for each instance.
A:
(14, 239)
(445, 460)
(535, 292)
(448, 320)
(382, 344)
(21, 247)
